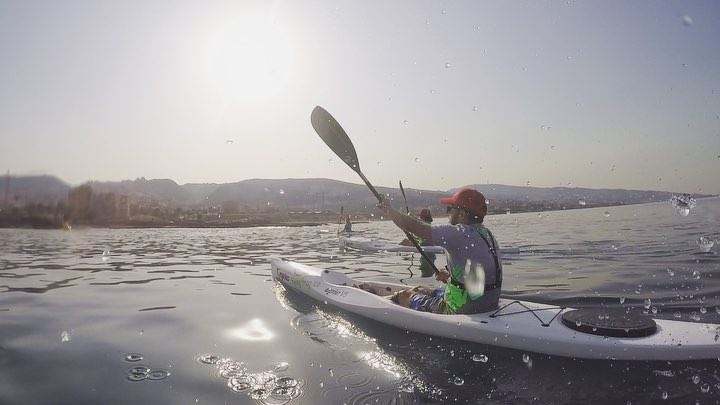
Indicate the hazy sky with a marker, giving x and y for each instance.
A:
(621, 94)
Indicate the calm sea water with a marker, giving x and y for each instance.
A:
(172, 316)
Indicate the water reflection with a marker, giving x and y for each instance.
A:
(253, 331)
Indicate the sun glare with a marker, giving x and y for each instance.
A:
(249, 60)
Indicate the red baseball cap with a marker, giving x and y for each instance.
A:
(469, 199)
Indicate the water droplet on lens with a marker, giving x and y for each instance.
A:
(475, 108)
(447, 65)
(65, 336)
(696, 275)
(687, 20)
(664, 395)
(407, 387)
(622, 300)
(458, 381)
(282, 366)
(525, 358)
(480, 358)
(607, 214)
(705, 244)
(705, 388)
(696, 379)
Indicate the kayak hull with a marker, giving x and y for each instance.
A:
(518, 325)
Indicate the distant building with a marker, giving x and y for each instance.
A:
(80, 202)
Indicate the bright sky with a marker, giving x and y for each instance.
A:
(622, 94)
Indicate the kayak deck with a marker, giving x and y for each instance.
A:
(518, 325)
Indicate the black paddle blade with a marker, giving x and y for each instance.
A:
(334, 137)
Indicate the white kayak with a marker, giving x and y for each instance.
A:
(520, 325)
(376, 245)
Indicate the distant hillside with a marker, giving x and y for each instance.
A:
(164, 190)
(325, 194)
(571, 195)
(21, 190)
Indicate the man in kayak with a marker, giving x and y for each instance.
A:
(474, 273)
(426, 269)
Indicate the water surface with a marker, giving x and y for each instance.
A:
(192, 316)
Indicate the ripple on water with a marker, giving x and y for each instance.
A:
(133, 357)
(138, 373)
(158, 374)
(381, 397)
(240, 384)
(208, 358)
(264, 387)
(355, 380)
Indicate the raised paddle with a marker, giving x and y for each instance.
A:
(402, 190)
(337, 140)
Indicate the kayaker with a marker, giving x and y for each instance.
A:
(474, 273)
(348, 224)
(426, 269)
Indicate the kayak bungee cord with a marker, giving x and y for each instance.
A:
(496, 314)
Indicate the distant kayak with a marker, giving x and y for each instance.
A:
(376, 245)
(586, 333)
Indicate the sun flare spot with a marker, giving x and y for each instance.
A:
(253, 331)
(249, 59)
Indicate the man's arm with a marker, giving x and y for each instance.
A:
(407, 223)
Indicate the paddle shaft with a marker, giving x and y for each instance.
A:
(337, 140)
(402, 190)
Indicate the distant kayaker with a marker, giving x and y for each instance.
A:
(426, 269)
(474, 275)
(348, 224)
